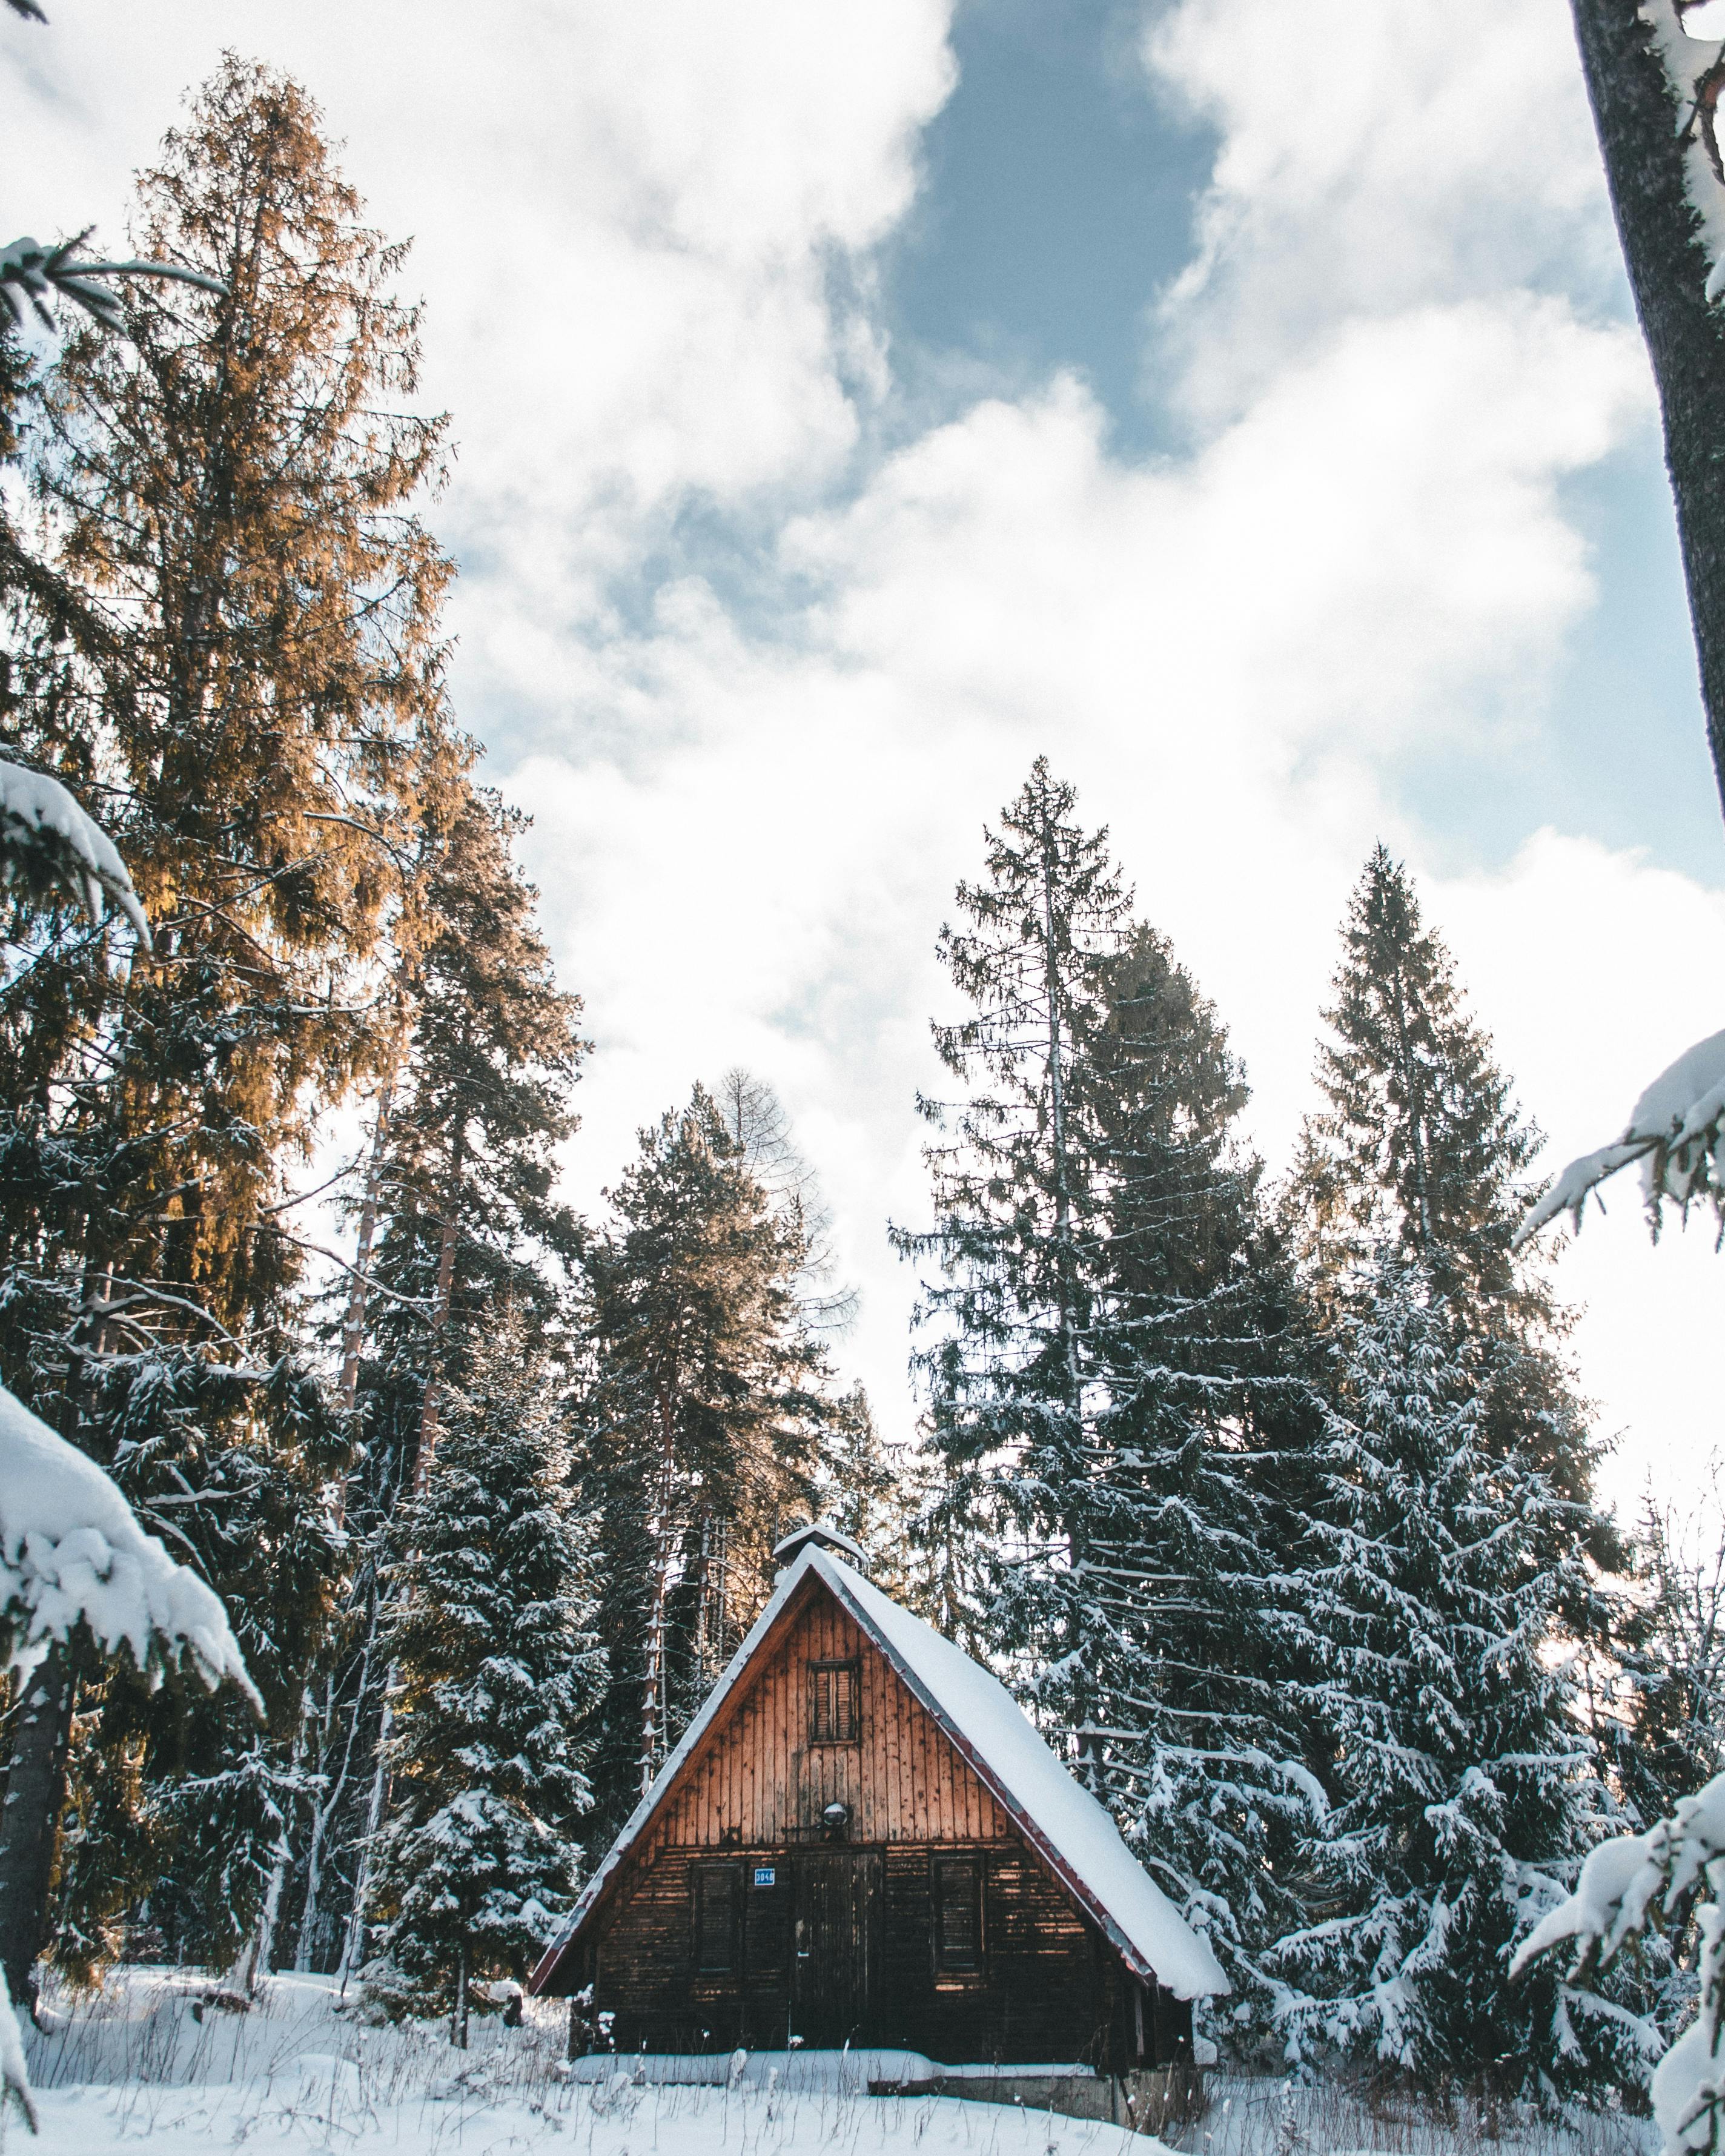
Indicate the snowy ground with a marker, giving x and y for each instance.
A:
(298, 2076)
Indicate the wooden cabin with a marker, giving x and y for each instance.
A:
(861, 1840)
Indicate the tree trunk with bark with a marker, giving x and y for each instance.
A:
(439, 1324)
(1643, 127)
(35, 1785)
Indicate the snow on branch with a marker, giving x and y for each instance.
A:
(1613, 1902)
(31, 275)
(1675, 1129)
(45, 838)
(72, 1553)
(1683, 31)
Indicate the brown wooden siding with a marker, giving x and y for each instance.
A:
(757, 1780)
(1048, 1987)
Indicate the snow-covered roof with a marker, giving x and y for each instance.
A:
(1062, 1820)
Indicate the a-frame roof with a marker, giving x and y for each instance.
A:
(1063, 1822)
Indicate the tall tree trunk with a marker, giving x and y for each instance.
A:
(1076, 1539)
(35, 1788)
(1644, 125)
(251, 1965)
(652, 1688)
(439, 1322)
(353, 1946)
(332, 1804)
(458, 2014)
(1057, 1117)
(321, 1813)
(354, 1331)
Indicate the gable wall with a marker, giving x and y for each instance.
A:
(759, 1781)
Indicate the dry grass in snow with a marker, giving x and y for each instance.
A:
(133, 2065)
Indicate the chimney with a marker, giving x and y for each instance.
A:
(824, 1535)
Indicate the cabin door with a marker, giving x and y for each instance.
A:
(838, 1906)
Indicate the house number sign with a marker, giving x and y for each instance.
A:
(766, 1876)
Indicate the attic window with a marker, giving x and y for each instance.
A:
(834, 1689)
(958, 1915)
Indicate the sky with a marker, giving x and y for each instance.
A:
(1240, 405)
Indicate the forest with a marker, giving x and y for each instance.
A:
(1270, 1487)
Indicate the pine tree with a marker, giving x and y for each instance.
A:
(1200, 1472)
(462, 1218)
(1019, 1239)
(1422, 1148)
(232, 486)
(703, 1423)
(1107, 1379)
(1466, 1789)
(499, 1672)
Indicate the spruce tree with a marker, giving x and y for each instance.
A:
(499, 1674)
(1465, 1790)
(704, 1420)
(1421, 1147)
(461, 1217)
(1018, 1243)
(1200, 1474)
(1107, 1375)
(232, 486)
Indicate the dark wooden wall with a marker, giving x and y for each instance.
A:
(1047, 1986)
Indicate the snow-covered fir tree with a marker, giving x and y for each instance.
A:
(1016, 1257)
(459, 1215)
(1107, 1370)
(1199, 1476)
(1421, 1147)
(709, 1403)
(1465, 1792)
(499, 1675)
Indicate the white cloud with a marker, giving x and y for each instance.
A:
(1225, 655)
(627, 220)
(749, 824)
(1374, 159)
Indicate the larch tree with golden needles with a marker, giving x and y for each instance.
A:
(233, 485)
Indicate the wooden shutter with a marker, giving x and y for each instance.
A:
(833, 1718)
(958, 1915)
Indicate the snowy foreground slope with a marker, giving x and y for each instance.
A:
(296, 2076)
(135, 2067)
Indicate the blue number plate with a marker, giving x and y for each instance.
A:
(766, 1876)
